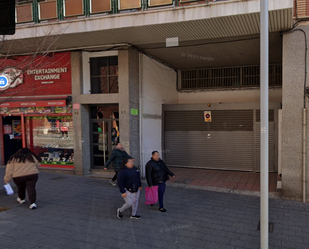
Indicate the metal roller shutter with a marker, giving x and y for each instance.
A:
(225, 143)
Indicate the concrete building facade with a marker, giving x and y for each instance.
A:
(163, 90)
(294, 104)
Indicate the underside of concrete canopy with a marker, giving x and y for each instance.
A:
(215, 21)
(224, 52)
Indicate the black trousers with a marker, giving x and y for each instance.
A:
(115, 176)
(64, 133)
(28, 183)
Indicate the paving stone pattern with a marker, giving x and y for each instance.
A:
(79, 212)
(234, 180)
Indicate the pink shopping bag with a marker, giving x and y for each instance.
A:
(151, 195)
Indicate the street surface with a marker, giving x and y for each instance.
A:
(80, 213)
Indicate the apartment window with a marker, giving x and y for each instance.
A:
(104, 74)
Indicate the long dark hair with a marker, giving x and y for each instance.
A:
(24, 155)
(125, 161)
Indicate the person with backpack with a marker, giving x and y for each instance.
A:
(157, 174)
(117, 156)
(23, 169)
(130, 185)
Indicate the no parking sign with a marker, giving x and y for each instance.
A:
(207, 116)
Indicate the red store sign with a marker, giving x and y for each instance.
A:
(46, 103)
(35, 76)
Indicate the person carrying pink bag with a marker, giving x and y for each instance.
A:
(157, 173)
(151, 194)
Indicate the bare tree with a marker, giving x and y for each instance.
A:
(32, 59)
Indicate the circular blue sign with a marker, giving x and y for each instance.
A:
(3, 81)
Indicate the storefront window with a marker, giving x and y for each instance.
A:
(52, 139)
(104, 74)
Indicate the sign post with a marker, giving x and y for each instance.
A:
(264, 39)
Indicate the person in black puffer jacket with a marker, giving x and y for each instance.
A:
(157, 174)
(130, 185)
(117, 156)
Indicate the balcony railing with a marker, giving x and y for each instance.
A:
(129, 4)
(99, 6)
(48, 10)
(73, 8)
(301, 8)
(24, 12)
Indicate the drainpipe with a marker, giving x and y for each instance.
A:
(304, 152)
(140, 114)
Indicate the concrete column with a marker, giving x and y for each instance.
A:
(76, 68)
(82, 160)
(128, 100)
(292, 107)
(80, 120)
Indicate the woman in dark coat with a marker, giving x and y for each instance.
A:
(157, 174)
(117, 156)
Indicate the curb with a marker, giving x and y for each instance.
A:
(272, 195)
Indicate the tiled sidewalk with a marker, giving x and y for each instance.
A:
(80, 213)
(235, 180)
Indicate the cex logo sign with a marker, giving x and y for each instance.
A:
(4, 81)
(10, 78)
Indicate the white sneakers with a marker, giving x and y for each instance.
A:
(33, 206)
(20, 201)
(112, 183)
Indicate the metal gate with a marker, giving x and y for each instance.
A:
(229, 142)
(224, 143)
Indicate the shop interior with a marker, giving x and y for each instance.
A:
(12, 139)
(50, 137)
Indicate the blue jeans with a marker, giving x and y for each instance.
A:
(161, 190)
